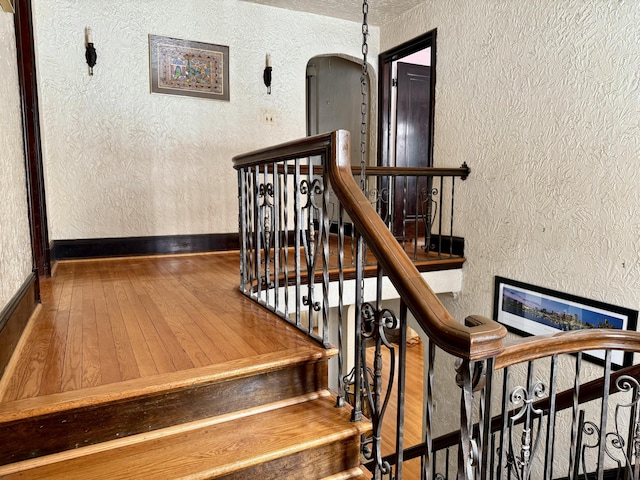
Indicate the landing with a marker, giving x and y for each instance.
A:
(118, 320)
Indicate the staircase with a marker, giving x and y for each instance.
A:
(263, 416)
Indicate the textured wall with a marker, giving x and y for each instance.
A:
(120, 161)
(15, 244)
(542, 99)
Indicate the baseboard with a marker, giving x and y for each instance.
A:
(14, 318)
(455, 245)
(129, 246)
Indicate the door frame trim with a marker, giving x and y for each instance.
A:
(385, 60)
(25, 49)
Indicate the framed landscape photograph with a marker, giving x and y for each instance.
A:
(185, 67)
(530, 310)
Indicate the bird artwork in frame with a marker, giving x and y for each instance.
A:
(185, 67)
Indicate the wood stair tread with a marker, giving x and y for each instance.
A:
(210, 451)
(45, 405)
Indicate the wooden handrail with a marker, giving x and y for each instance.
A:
(540, 346)
(482, 338)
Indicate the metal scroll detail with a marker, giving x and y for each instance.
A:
(374, 323)
(429, 207)
(530, 417)
(265, 193)
(313, 214)
(623, 450)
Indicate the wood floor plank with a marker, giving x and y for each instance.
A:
(91, 371)
(72, 369)
(54, 363)
(26, 378)
(142, 352)
(125, 356)
(163, 303)
(109, 368)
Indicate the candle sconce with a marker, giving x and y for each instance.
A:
(266, 76)
(90, 54)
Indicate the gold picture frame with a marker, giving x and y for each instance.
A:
(8, 6)
(185, 67)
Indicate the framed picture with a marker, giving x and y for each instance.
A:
(184, 67)
(529, 310)
(8, 6)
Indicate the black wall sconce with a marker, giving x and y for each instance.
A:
(267, 74)
(90, 53)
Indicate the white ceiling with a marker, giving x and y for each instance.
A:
(380, 11)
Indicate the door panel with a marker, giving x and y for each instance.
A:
(412, 145)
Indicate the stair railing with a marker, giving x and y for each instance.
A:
(297, 261)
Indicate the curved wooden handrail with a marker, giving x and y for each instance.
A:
(481, 340)
(540, 346)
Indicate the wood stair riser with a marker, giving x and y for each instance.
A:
(68, 429)
(318, 462)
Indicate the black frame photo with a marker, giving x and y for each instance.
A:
(531, 310)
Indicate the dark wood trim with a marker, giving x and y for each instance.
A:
(14, 317)
(31, 137)
(158, 245)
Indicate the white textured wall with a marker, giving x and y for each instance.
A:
(120, 161)
(542, 100)
(15, 243)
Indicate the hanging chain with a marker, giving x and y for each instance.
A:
(364, 90)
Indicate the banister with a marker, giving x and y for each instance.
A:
(539, 346)
(564, 400)
(482, 340)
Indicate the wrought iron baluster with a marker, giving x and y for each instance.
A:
(297, 214)
(277, 249)
(551, 418)
(604, 412)
(257, 231)
(375, 321)
(440, 231)
(285, 212)
(242, 220)
(502, 459)
(416, 218)
(324, 221)
(341, 392)
(402, 363)
(485, 420)
(465, 449)
(359, 365)
(428, 463)
(575, 427)
(453, 188)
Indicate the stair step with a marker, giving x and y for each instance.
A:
(307, 440)
(40, 426)
(351, 474)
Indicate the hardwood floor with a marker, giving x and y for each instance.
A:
(107, 321)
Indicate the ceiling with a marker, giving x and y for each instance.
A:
(380, 11)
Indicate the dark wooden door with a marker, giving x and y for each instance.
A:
(412, 144)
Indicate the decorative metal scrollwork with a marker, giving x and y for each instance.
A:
(311, 189)
(429, 211)
(625, 453)
(530, 436)
(374, 323)
(265, 193)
